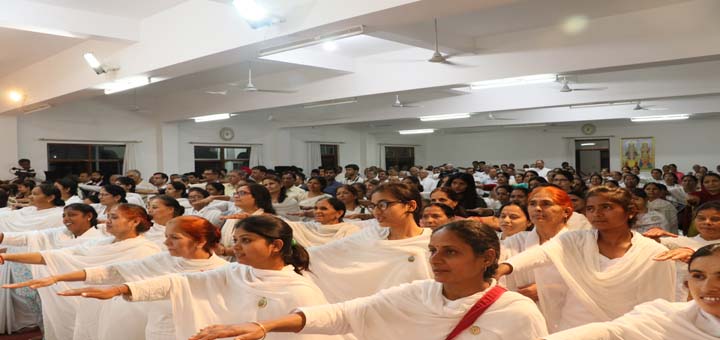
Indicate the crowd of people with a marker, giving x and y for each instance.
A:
(427, 252)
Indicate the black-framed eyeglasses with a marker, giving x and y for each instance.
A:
(382, 205)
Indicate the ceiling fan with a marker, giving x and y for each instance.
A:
(134, 107)
(566, 87)
(400, 104)
(491, 116)
(250, 87)
(437, 56)
(640, 107)
(219, 93)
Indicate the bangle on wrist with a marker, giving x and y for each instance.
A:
(262, 328)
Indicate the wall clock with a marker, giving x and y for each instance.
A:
(227, 133)
(588, 129)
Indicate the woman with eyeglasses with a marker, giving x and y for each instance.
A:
(251, 200)
(381, 255)
(109, 196)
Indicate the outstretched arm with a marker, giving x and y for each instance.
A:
(50, 280)
(28, 258)
(254, 330)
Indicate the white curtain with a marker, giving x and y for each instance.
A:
(314, 160)
(129, 160)
(382, 156)
(256, 155)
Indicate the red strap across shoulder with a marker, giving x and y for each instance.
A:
(477, 310)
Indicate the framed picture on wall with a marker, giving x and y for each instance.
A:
(638, 151)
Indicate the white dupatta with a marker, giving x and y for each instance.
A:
(310, 234)
(366, 262)
(418, 311)
(75, 317)
(229, 295)
(635, 278)
(149, 320)
(517, 244)
(156, 234)
(30, 218)
(655, 320)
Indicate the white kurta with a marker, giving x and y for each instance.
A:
(73, 199)
(289, 205)
(655, 320)
(134, 198)
(209, 213)
(309, 202)
(419, 311)
(151, 320)
(30, 218)
(156, 234)
(650, 219)
(668, 210)
(519, 243)
(578, 221)
(599, 289)
(229, 295)
(309, 234)
(75, 317)
(366, 262)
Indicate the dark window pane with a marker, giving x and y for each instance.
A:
(109, 168)
(237, 153)
(68, 151)
(200, 166)
(109, 151)
(207, 152)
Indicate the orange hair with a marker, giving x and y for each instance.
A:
(559, 196)
(199, 229)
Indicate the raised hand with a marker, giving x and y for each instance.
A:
(529, 291)
(247, 331)
(101, 293)
(678, 254)
(34, 284)
(657, 233)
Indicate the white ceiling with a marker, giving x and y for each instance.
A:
(23, 48)
(136, 9)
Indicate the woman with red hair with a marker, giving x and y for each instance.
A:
(603, 273)
(189, 241)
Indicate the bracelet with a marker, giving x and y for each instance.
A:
(261, 327)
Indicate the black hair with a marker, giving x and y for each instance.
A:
(321, 180)
(202, 191)
(271, 229)
(714, 205)
(124, 180)
(115, 190)
(449, 212)
(68, 183)
(283, 190)
(353, 191)
(162, 175)
(479, 237)
(217, 186)
(23, 160)
(178, 210)
(711, 174)
(262, 197)
(468, 198)
(353, 166)
(639, 193)
(51, 190)
(179, 186)
(707, 250)
(260, 167)
(415, 181)
(522, 208)
(523, 189)
(403, 193)
(4, 197)
(336, 204)
(84, 209)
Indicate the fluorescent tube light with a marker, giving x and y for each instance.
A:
(659, 118)
(342, 102)
(587, 144)
(125, 84)
(210, 118)
(320, 39)
(586, 106)
(445, 117)
(94, 63)
(416, 132)
(254, 14)
(514, 81)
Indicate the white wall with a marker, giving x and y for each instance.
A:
(9, 146)
(682, 142)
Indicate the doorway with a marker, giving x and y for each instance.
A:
(591, 155)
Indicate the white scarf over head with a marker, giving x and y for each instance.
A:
(232, 294)
(156, 234)
(655, 320)
(310, 234)
(366, 262)
(120, 319)
(30, 218)
(418, 311)
(75, 314)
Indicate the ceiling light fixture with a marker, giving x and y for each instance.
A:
(445, 117)
(342, 102)
(587, 106)
(320, 39)
(213, 117)
(254, 14)
(416, 132)
(330, 46)
(587, 144)
(16, 96)
(659, 118)
(125, 84)
(96, 65)
(514, 81)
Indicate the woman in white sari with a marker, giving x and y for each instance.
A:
(266, 282)
(698, 319)
(252, 200)
(109, 196)
(462, 302)
(201, 206)
(190, 240)
(381, 255)
(78, 320)
(128, 184)
(328, 225)
(284, 206)
(162, 209)
(315, 185)
(80, 226)
(607, 271)
(177, 190)
(21, 309)
(351, 198)
(68, 190)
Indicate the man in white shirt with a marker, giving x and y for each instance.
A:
(235, 179)
(159, 180)
(541, 169)
(492, 176)
(427, 182)
(291, 190)
(481, 174)
(141, 187)
(352, 174)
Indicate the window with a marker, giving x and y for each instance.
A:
(401, 157)
(329, 155)
(66, 159)
(221, 157)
